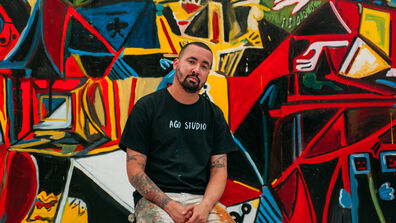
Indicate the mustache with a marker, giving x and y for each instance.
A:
(193, 75)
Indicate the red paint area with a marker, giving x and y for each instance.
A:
(245, 91)
(392, 36)
(26, 87)
(349, 11)
(19, 185)
(215, 28)
(189, 8)
(9, 35)
(65, 85)
(72, 69)
(54, 13)
(236, 193)
(287, 193)
(390, 161)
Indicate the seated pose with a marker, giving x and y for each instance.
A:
(177, 143)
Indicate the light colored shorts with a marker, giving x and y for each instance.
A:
(148, 212)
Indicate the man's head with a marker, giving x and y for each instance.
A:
(193, 66)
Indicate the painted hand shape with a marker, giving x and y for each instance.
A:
(280, 4)
(386, 192)
(306, 65)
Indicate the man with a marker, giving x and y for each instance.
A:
(176, 143)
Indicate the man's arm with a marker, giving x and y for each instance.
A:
(214, 190)
(136, 163)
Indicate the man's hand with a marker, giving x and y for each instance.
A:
(178, 212)
(200, 212)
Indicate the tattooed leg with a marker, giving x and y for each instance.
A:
(148, 212)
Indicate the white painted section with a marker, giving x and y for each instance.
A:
(391, 73)
(364, 59)
(60, 119)
(108, 171)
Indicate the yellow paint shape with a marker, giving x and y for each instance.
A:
(218, 92)
(375, 26)
(75, 212)
(79, 63)
(3, 109)
(366, 63)
(251, 188)
(47, 214)
(54, 119)
(99, 106)
(146, 86)
(255, 203)
(125, 88)
(112, 115)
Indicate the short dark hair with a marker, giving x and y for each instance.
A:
(200, 44)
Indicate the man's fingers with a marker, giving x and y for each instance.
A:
(192, 219)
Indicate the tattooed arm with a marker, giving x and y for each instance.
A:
(136, 163)
(214, 190)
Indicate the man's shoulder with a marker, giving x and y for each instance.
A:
(152, 97)
(210, 104)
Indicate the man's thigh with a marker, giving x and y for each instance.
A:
(148, 212)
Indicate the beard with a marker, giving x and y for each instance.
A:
(191, 87)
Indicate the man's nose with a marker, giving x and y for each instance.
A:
(195, 69)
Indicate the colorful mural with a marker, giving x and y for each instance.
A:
(306, 86)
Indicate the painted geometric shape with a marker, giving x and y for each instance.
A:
(323, 21)
(386, 192)
(268, 210)
(245, 211)
(53, 19)
(375, 26)
(362, 61)
(60, 117)
(287, 192)
(118, 22)
(216, 89)
(388, 161)
(237, 192)
(101, 169)
(345, 199)
(360, 163)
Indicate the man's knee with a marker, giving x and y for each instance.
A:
(148, 212)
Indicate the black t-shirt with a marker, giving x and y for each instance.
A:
(177, 139)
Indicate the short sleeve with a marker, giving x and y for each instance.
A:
(136, 132)
(223, 141)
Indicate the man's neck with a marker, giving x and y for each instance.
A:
(182, 96)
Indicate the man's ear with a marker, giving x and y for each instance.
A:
(175, 62)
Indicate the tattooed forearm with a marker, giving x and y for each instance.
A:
(134, 157)
(147, 188)
(219, 162)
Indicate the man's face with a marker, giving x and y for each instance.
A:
(192, 68)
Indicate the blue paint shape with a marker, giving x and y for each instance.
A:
(386, 192)
(55, 103)
(168, 79)
(165, 63)
(268, 197)
(354, 162)
(354, 190)
(86, 53)
(144, 33)
(10, 111)
(118, 23)
(387, 83)
(345, 199)
(249, 159)
(121, 70)
(26, 31)
(383, 159)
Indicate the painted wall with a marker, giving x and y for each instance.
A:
(307, 87)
